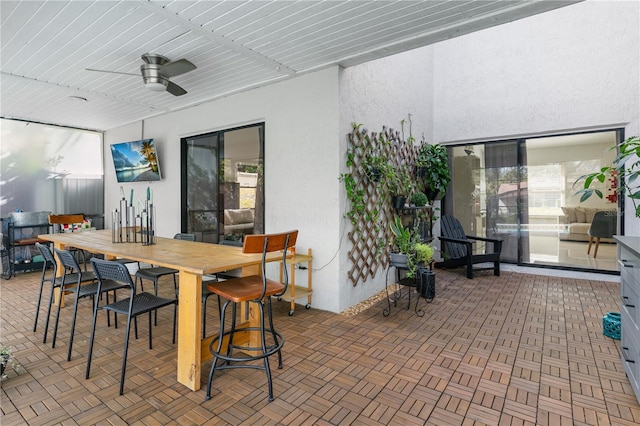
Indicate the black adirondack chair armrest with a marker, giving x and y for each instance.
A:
(489, 240)
(497, 242)
(456, 240)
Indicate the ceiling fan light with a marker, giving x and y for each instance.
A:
(156, 86)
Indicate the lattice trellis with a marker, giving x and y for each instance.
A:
(370, 237)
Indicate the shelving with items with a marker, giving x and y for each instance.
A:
(20, 232)
(298, 292)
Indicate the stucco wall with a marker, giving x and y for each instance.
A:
(571, 69)
(301, 170)
(377, 93)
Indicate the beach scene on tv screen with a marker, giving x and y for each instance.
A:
(135, 161)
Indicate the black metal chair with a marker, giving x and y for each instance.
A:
(49, 263)
(82, 284)
(136, 304)
(458, 248)
(603, 225)
(154, 273)
(257, 290)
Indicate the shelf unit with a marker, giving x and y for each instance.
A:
(298, 292)
(21, 230)
(629, 259)
(421, 217)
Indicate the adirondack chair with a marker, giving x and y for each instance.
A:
(458, 248)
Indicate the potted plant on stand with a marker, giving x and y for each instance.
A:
(403, 250)
(426, 278)
(433, 167)
(419, 199)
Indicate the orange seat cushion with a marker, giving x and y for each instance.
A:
(244, 289)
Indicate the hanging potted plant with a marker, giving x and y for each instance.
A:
(400, 185)
(433, 167)
(376, 165)
(377, 168)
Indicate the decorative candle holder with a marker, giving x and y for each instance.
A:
(115, 226)
(129, 227)
(124, 230)
(148, 224)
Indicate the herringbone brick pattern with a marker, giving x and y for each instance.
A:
(518, 349)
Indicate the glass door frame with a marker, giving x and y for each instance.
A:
(218, 198)
(522, 197)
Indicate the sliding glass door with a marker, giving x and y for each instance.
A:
(522, 191)
(490, 177)
(223, 184)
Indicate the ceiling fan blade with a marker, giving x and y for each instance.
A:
(175, 90)
(176, 68)
(112, 72)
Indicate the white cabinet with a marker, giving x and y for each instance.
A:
(629, 259)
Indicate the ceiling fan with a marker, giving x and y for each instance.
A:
(156, 72)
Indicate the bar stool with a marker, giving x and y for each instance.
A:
(257, 290)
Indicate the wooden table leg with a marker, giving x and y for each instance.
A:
(192, 350)
(58, 296)
(190, 330)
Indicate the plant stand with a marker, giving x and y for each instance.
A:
(396, 293)
(298, 292)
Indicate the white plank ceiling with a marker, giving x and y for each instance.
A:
(46, 47)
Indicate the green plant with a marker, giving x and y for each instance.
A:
(400, 181)
(403, 236)
(406, 240)
(626, 168)
(360, 208)
(410, 139)
(424, 253)
(377, 168)
(419, 199)
(356, 195)
(435, 161)
(5, 359)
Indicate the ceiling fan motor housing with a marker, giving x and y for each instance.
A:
(152, 77)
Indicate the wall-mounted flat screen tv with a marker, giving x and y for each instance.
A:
(136, 161)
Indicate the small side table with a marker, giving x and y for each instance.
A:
(298, 292)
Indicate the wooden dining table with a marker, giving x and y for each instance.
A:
(192, 260)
